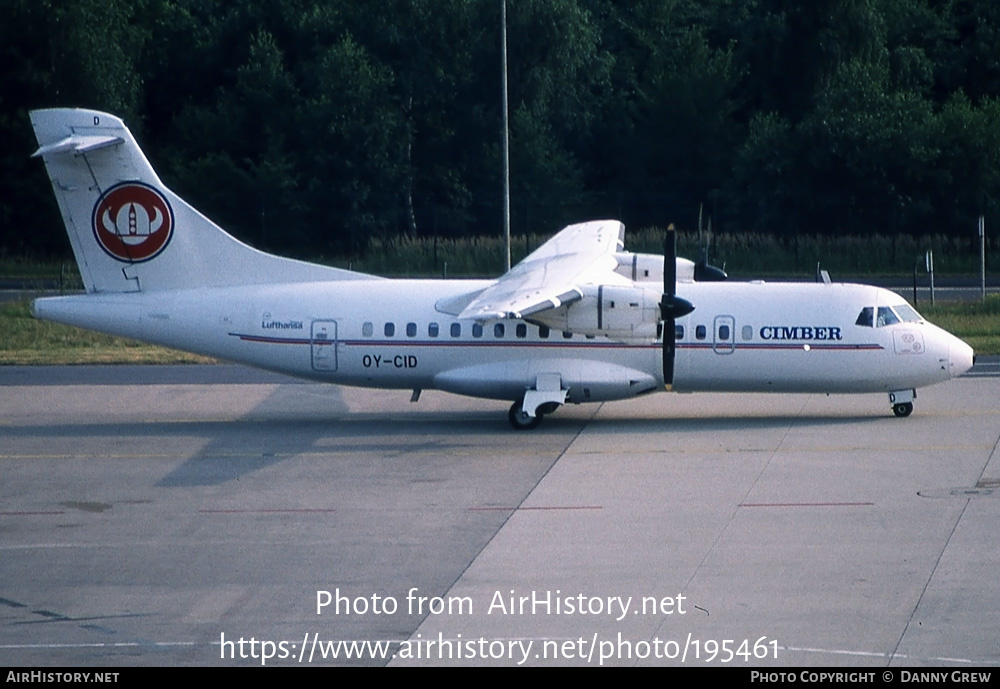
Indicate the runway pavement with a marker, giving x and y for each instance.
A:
(158, 515)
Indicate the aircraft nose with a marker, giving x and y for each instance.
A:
(960, 357)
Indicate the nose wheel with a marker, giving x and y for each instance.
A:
(902, 409)
(902, 402)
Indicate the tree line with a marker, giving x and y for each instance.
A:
(313, 128)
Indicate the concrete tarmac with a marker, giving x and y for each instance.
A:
(150, 518)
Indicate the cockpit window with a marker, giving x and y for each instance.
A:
(886, 316)
(907, 313)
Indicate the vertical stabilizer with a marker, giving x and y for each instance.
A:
(129, 232)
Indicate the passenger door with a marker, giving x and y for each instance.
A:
(324, 345)
(725, 335)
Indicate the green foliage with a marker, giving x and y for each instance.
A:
(749, 255)
(336, 128)
(57, 54)
(745, 255)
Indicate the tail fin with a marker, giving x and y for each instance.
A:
(129, 232)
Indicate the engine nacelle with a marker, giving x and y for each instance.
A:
(612, 311)
(649, 268)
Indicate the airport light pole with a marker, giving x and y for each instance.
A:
(506, 137)
(982, 255)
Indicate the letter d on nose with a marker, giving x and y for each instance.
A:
(323, 599)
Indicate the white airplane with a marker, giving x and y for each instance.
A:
(578, 320)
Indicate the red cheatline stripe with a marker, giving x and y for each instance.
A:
(524, 509)
(807, 504)
(289, 511)
(555, 344)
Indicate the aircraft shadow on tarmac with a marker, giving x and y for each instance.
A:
(243, 446)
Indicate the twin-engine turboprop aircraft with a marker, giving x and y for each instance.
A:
(578, 320)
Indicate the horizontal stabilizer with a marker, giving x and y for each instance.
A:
(78, 144)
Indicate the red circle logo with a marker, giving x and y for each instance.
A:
(133, 222)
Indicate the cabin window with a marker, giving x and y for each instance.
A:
(521, 331)
(456, 329)
(865, 317)
(368, 329)
(477, 330)
(747, 332)
(724, 333)
(498, 330)
(700, 332)
(678, 332)
(390, 329)
(543, 331)
(411, 329)
(567, 335)
(433, 329)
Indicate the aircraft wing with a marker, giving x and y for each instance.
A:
(553, 274)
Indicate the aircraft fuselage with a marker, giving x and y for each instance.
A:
(741, 337)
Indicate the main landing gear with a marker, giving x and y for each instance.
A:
(902, 402)
(520, 420)
(547, 395)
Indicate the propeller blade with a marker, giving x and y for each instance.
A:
(667, 305)
(669, 345)
(670, 261)
(671, 306)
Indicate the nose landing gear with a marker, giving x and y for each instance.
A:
(903, 409)
(902, 402)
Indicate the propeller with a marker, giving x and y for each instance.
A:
(672, 307)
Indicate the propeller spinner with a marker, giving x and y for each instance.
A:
(672, 307)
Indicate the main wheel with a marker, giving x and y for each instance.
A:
(520, 420)
(902, 409)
